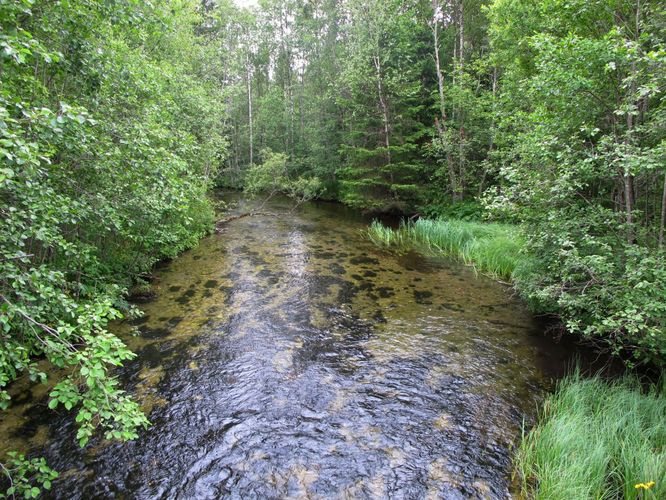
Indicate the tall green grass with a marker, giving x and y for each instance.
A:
(597, 440)
(491, 248)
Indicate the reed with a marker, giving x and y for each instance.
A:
(493, 249)
(386, 237)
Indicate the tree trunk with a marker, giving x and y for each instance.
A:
(385, 112)
(289, 87)
(629, 205)
(301, 117)
(663, 216)
(461, 36)
(438, 67)
(249, 108)
(440, 123)
(629, 194)
(461, 139)
(491, 139)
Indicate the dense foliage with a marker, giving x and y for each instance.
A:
(389, 103)
(549, 115)
(271, 176)
(110, 131)
(582, 155)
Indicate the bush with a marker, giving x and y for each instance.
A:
(465, 211)
(272, 176)
(605, 289)
(107, 155)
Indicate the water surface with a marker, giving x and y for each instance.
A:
(289, 357)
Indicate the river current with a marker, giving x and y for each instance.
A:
(287, 357)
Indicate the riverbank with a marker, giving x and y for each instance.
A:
(613, 303)
(594, 439)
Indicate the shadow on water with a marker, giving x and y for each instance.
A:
(287, 356)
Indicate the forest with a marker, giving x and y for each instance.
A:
(525, 138)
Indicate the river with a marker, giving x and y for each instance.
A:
(289, 357)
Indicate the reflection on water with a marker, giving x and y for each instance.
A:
(288, 357)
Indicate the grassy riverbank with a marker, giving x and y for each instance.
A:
(597, 439)
(492, 249)
(594, 439)
(605, 291)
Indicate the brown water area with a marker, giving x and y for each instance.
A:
(290, 358)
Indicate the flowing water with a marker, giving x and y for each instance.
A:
(289, 357)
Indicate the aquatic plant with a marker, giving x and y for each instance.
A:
(386, 237)
(597, 439)
(493, 249)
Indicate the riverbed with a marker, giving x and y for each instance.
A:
(289, 357)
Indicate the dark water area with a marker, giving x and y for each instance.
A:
(287, 357)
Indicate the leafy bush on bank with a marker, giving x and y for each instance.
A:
(109, 134)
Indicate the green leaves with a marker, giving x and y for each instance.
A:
(272, 176)
(105, 159)
(28, 476)
(582, 139)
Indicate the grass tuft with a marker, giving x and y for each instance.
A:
(386, 237)
(597, 440)
(493, 249)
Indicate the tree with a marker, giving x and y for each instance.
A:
(582, 162)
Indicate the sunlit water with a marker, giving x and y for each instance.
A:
(289, 357)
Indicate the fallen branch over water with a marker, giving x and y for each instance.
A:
(231, 218)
